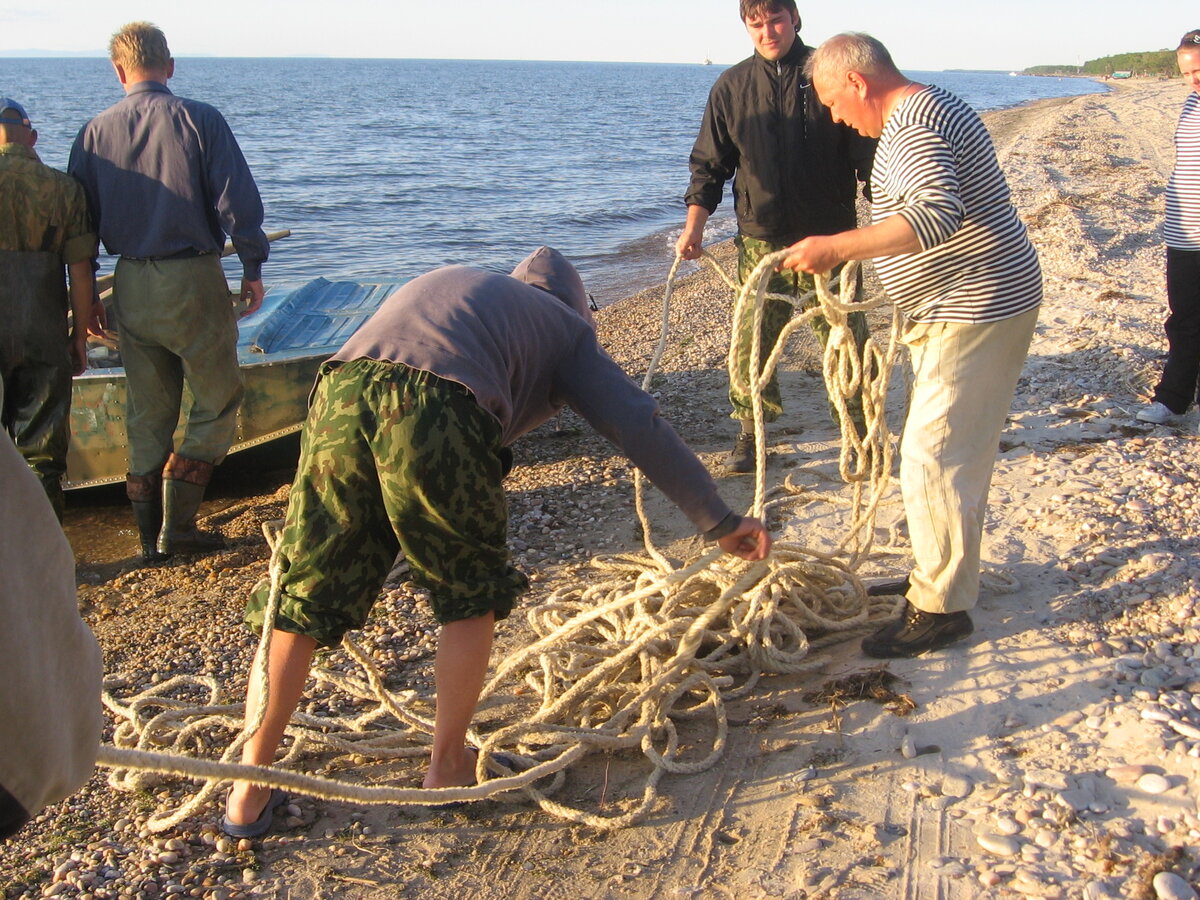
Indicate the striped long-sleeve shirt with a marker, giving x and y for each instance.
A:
(936, 166)
(1181, 230)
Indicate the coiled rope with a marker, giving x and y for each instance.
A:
(624, 663)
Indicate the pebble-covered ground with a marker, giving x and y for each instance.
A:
(1056, 756)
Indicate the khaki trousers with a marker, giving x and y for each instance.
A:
(178, 328)
(965, 376)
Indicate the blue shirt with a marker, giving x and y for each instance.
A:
(164, 177)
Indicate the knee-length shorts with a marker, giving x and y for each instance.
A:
(392, 459)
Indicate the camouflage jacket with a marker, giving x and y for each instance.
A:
(42, 209)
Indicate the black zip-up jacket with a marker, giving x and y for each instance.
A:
(794, 170)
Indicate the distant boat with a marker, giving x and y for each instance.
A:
(707, 61)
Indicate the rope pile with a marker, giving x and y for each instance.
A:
(643, 659)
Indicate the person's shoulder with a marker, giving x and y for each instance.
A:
(939, 99)
(31, 167)
(446, 285)
(736, 73)
(197, 108)
(64, 182)
(927, 107)
(98, 120)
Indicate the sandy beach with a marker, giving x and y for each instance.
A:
(1054, 755)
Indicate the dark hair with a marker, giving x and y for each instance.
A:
(1189, 41)
(748, 8)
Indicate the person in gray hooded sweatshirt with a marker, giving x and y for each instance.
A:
(405, 448)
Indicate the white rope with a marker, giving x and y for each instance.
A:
(623, 663)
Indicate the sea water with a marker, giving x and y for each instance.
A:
(384, 169)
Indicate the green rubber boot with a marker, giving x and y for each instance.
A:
(145, 496)
(184, 483)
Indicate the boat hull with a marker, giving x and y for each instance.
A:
(280, 349)
(274, 405)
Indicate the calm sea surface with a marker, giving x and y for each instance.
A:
(384, 169)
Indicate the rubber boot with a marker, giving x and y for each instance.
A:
(184, 482)
(145, 496)
(52, 485)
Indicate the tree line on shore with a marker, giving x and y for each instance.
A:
(1147, 62)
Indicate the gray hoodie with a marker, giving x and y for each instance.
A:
(525, 346)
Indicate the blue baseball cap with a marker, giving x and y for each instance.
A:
(8, 103)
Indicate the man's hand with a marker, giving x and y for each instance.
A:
(750, 540)
(691, 241)
(252, 295)
(813, 254)
(820, 253)
(98, 321)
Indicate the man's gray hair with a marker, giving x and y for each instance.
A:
(851, 51)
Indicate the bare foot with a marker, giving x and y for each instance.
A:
(246, 802)
(458, 771)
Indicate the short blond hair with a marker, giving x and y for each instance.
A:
(140, 46)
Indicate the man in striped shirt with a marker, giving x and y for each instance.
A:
(953, 255)
(1179, 387)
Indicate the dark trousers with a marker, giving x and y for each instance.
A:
(1178, 386)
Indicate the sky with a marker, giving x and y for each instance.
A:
(921, 34)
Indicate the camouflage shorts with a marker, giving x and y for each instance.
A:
(392, 459)
(776, 314)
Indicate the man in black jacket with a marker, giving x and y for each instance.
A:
(795, 174)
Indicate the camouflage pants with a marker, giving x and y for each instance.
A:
(392, 459)
(776, 314)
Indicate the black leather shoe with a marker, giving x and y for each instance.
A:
(741, 458)
(917, 632)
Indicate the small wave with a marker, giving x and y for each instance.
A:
(627, 214)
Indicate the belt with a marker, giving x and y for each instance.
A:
(188, 253)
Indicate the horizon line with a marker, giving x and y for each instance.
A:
(32, 53)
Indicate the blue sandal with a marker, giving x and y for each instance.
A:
(259, 826)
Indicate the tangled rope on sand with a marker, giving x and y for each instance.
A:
(625, 663)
